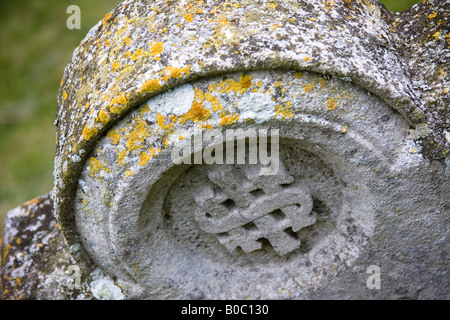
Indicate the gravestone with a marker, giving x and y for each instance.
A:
(234, 150)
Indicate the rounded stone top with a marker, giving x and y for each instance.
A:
(143, 48)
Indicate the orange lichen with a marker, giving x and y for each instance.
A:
(114, 136)
(228, 120)
(197, 112)
(150, 86)
(157, 48)
(136, 54)
(216, 106)
(322, 83)
(145, 158)
(115, 66)
(284, 111)
(308, 87)
(173, 72)
(96, 166)
(88, 133)
(117, 102)
(106, 18)
(103, 116)
(332, 104)
(241, 86)
(137, 136)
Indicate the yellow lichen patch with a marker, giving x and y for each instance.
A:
(307, 59)
(228, 120)
(216, 106)
(32, 202)
(332, 104)
(241, 86)
(172, 72)
(96, 166)
(344, 129)
(5, 251)
(284, 111)
(322, 83)
(157, 48)
(161, 120)
(212, 87)
(188, 17)
(126, 54)
(197, 112)
(117, 102)
(114, 136)
(106, 18)
(206, 126)
(145, 158)
(137, 136)
(136, 54)
(129, 173)
(88, 133)
(127, 41)
(278, 84)
(432, 15)
(276, 26)
(121, 157)
(308, 87)
(115, 66)
(103, 116)
(150, 86)
(64, 95)
(298, 75)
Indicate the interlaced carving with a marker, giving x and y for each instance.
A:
(244, 208)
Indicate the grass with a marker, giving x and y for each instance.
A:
(35, 47)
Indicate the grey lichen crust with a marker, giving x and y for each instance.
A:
(37, 264)
(426, 31)
(143, 48)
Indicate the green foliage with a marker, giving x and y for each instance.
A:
(35, 47)
(398, 5)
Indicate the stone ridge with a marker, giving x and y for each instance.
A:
(143, 48)
(33, 255)
(426, 31)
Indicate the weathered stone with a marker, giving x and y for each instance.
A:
(363, 147)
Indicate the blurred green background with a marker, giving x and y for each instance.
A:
(35, 46)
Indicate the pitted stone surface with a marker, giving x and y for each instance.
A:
(243, 207)
(362, 136)
(144, 48)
